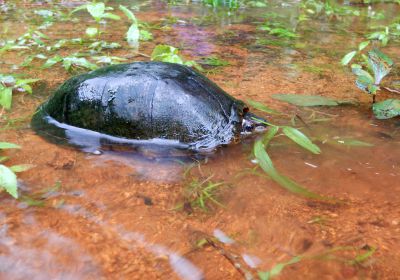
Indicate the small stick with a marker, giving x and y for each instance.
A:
(392, 90)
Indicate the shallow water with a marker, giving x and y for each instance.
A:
(115, 215)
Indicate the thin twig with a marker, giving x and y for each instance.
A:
(392, 90)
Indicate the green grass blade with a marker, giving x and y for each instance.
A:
(6, 145)
(298, 137)
(266, 164)
(272, 131)
(261, 107)
(21, 167)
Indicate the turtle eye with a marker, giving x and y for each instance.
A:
(248, 127)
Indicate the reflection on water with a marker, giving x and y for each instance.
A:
(43, 255)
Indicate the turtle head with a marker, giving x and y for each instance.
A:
(252, 123)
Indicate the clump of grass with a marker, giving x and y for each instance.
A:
(200, 192)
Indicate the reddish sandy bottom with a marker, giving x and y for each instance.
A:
(115, 216)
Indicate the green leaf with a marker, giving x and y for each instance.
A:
(298, 137)
(166, 53)
(5, 97)
(357, 70)
(111, 16)
(21, 167)
(79, 8)
(128, 14)
(8, 181)
(277, 269)
(52, 61)
(92, 31)
(364, 83)
(70, 61)
(6, 145)
(3, 159)
(132, 36)
(363, 45)
(266, 164)
(261, 107)
(145, 35)
(387, 109)
(380, 63)
(354, 142)
(272, 131)
(348, 57)
(96, 10)
(307, 100)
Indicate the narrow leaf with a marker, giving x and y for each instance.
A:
(307, 100)
(21, 167)
(261, 107)
(298, 137)
(348, 57)
(266, 164)
(269, 135)
(6, 145)
(128, 14)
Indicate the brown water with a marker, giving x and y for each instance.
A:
(114, 216)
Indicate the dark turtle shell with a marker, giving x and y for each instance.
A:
(145, 100)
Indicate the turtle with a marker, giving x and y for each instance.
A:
(141, 103)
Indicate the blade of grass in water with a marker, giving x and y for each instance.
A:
(298, 137)
(266, 164)
(259, 106)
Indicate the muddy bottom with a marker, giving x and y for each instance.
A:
(136, 215)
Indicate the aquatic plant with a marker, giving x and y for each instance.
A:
(166, 53)
(70, 62)
(9, 84)
(8, 178)
(199, 192)
(99, 12)
(361, 255)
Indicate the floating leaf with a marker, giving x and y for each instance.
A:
(266, 164)
(260, 106)
(298, 137)
(21, 167)
(348, 57)
(387, 109)
(8, 181)
(354, 142)
(6, 145)
(308, 100)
